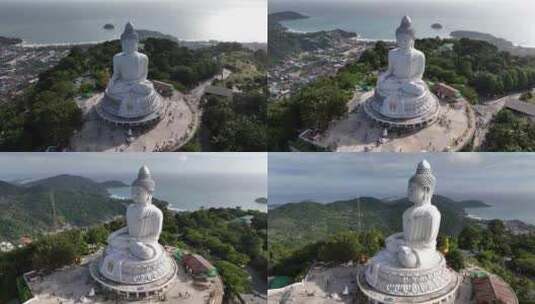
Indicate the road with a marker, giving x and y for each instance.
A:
(259, 285)
(196, 93)
(485, 112)
(193, 99)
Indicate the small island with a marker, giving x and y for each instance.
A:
(261, 200)
(109, 26)
(436, 26)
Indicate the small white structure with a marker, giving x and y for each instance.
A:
(410, 269)
(6, 246)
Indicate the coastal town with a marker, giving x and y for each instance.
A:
(298, 70)
(20, 65)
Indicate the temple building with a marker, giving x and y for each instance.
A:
(134, 265)
(410, 269)
(401, 98)
(130, 98)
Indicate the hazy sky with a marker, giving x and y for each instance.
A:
(39, 165)
(521, 8)
(327, 177)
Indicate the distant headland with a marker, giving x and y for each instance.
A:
(286, 16)
(500, 43)
(9, 40)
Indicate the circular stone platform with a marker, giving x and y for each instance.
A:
(386, 275)
(174, 127)
(451, 130)
(447, 294)
(75, 284)
(108, 109)
(372, 107)
(134, 290)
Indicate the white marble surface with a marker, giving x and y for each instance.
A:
(129, 93)
(401, 91)
(410, 265)
(133, 255)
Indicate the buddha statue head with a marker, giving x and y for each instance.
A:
(405, 34)
(129, 39)
(143, 187)
(422, 184)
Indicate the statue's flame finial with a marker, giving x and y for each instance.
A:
(406, 21)
(129, 32)
(405, 27)
(424, 175)
(144, 179)
(423, 167)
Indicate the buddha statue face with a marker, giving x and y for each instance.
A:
(140, 195)
(129, 46)
(418, 194)
(405, 41)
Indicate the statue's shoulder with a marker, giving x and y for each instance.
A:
(131, 208)
(393, 52)
(419, 54)
(118, 57)
(143, 56)
(433, 210)
(156, 211)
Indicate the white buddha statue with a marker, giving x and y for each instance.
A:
(129, 93)
(401, 89)
(410, 265)
(133, 254)
(143, 220)
(415, 247)
(130, 67)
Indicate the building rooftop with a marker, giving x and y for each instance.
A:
(492, 289)
(219, 91)
(197, 263)
(520, 106)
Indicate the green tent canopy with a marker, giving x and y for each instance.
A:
(279, 282)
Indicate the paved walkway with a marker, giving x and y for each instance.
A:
(178, 125)
(358, 133)
(98, 135)
(73, 284)
(322, 285)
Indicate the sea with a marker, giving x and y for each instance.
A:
(377, 19)
(78, 21)
(503, 206)
(513, 206)
(188, 192)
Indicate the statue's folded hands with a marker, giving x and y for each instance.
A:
(142, 251)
